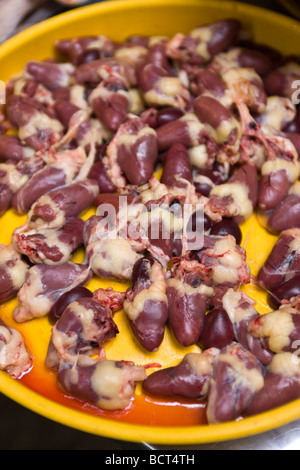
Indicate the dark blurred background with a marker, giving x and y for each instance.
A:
(21, 429)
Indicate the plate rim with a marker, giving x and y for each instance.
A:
(132, 432)
(87, 10)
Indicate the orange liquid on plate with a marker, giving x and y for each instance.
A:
(143, 409)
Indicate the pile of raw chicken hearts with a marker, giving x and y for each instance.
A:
(216, 114)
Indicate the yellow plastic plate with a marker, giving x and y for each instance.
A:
(146, 420)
